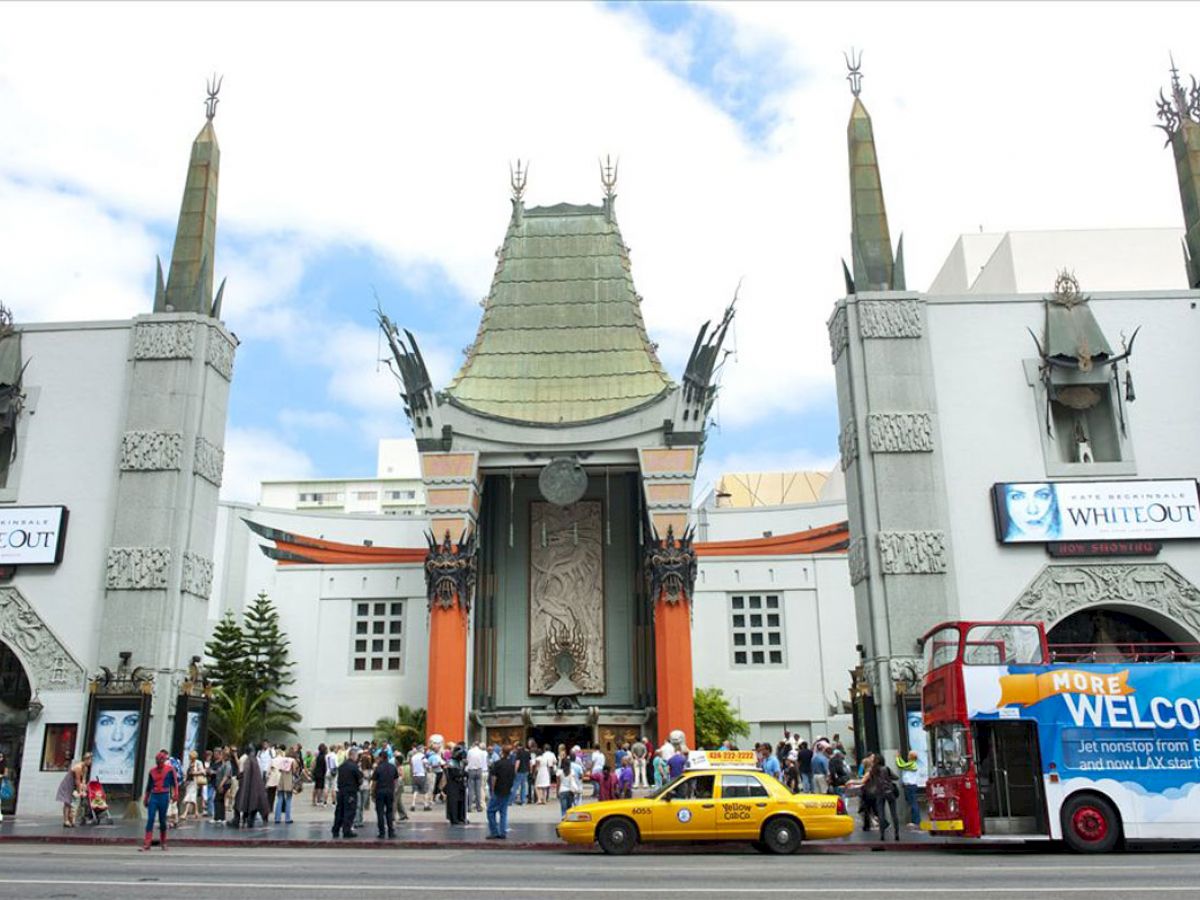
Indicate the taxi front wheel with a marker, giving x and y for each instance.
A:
(617, 836)
(782, 835)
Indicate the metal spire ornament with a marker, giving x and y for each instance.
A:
(214, 88)
(854, 64)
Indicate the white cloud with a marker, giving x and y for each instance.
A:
(252, 454)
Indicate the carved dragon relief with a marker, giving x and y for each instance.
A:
(566, 599)
(450, 571)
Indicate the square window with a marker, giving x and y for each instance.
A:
(377, 628)
(394, 664)
(757, 656)
(360, 627)
(777, 656)
(397, 609)
(756, 602)
(364, 609)
(360, 664)
(360, 646)
(739, 603)
(772, 602)
(774, 638)
(394, 626)
(756, 638)
(756, 620)
(739, 621)
(376, 664)
(739, 639)
(376, 646)
(381, 609)
(772, 620)
(740, 657)
(394, 646)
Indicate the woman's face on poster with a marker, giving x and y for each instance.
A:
(1031, 507)
(116, 733)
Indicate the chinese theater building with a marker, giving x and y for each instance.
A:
(999, 463)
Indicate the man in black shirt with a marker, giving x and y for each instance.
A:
(521, 760)
(804, 757)
(383, 782)
(349, 780)
(501, 775)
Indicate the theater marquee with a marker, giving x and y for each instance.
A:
(1042, 512)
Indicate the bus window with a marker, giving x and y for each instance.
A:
(942, 646)
(1003, 645)
(948, 749)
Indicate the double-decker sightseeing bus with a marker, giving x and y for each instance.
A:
(1088, 745)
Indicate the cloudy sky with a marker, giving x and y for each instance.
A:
(365, 150)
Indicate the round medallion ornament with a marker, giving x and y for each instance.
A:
(562, 482)
(684, 815)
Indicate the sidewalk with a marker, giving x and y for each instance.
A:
(529, 828)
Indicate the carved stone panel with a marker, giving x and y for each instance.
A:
(209, 461)
(49, 665)
(219, 354)
(839, 333)
(566, 599)
(1059, 591)
(197, 575)
(912, 552)
(900, 432)
(856, 560)
(164, 340)
(150, 451)
(848, 443)
(137, 568)
(889, 318)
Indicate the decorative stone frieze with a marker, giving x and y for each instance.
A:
(48, 664)
(1058, 591)
(889, 318)
(910, 669)
(209, 461)
(908, 432)
(839, 333)
(137, 568)
(151, 451)
(848, 443)
(912, 552)
(164, 340)
(197, 575)
(219, 354)
(856, 560)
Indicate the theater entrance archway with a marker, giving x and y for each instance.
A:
(15, 694)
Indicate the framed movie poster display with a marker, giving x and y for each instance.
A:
(117, 728)
(191, 726)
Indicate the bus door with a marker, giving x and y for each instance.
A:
(1008, 766)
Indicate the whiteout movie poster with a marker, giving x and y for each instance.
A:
(1030, 512)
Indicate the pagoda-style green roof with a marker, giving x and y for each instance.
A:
(562, 339)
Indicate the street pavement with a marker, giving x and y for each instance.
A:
(43, 871)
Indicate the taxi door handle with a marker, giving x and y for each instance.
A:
(707, 805)
(761, 805)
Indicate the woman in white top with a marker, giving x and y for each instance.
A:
(545, 765)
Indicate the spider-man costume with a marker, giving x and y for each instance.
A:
(162, 786)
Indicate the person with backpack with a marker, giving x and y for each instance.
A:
(881, 785)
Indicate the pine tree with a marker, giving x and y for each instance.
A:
(266, 653)
(227, 654)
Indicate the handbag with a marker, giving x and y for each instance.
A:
(6, 789)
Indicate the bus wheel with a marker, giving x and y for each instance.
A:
(782, 835)
(1090, 824)
(617, 836)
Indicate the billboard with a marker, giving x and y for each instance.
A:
(32, 535)
(1038, 512)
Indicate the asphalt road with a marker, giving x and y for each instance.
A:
(31, 872)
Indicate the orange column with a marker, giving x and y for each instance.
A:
(673, 664)
(446, 709)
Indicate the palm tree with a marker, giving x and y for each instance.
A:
(238, 718)
(404, 731)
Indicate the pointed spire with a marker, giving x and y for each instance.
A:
(189, 285)
(608, 178)
(871, 252)
(1180, 117)
(517, 178)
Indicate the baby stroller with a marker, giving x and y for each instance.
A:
(95, 805)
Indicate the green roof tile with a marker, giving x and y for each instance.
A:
(562, 339)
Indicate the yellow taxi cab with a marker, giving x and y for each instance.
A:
(723, 803)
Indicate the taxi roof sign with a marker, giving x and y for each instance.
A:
(712, 759)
